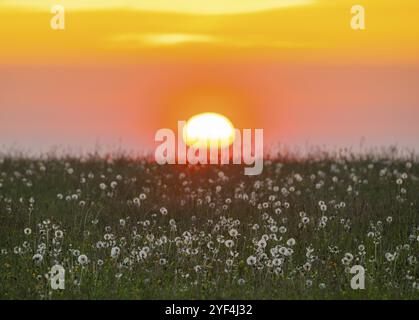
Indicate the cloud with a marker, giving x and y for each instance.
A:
(141, 40)
(177, 6)
(161, 39)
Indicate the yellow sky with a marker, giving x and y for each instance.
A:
(179, 6)
(129, 30)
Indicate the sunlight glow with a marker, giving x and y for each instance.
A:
(208, 129)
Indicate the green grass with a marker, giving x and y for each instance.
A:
(189, 258)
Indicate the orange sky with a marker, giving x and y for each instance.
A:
(122, 69)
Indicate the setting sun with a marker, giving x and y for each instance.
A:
(208, 129)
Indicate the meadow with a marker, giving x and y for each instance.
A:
(127, 228)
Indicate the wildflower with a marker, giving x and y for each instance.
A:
(115, 251)
(229, 262)
(282, 229)
(291, 242)
(233, 233)
(197, 268)
(289, 252)
(282, 250)
(229, 243)
(251, 261)
(27, 231)
(163, 211)
(390, 257)
(349, 256)
(278, 271)
(276, 262)
(262, 243)
(142, 254)
(143, 196)
(107, 236)
(83, 260)
(307, 266)
(412, 260)
(59, 234)
(37, 258)
(389, 219)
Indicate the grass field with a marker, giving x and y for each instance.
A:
(131, 229)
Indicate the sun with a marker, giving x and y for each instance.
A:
(208, 129)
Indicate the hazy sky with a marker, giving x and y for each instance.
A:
(123, 69)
